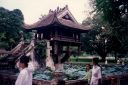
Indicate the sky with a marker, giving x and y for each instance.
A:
(33, 9)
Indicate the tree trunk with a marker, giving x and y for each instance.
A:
(115, 54)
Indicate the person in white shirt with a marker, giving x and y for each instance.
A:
(26, 69)
(96, 73)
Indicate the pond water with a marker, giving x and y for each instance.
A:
(73, 72)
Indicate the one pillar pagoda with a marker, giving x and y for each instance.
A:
(60, 29)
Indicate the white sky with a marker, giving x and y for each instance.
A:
(33, 9)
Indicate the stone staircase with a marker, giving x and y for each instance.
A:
(8, 62)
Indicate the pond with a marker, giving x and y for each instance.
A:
(77, 72)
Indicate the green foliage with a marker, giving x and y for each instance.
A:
(115, 13)
(27, 36)
(10, 25)
(87, 38)
(43, 74)
(40, 52)
(41, 48)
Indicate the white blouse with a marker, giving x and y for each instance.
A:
(25, 75)
(96, 75)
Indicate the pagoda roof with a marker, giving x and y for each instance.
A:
(57, 17)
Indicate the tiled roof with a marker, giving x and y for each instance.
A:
(4, 51)
(52, 18)
(72, 24)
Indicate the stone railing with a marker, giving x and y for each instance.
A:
(9, 79)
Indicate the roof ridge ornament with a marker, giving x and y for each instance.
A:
(50, 11)
(66, 6)
(58, 9)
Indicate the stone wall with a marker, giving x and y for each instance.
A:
(9, 79)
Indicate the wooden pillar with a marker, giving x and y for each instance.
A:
(79, 37)
(56, 33)
(37, 35)
(60, 48)
(55, 47)
(55, 52)
(56, 57)
(59, 65)
(79, 49)
(75, 36)
(34, 36)
(51, 35)
(48, 48)
(68, 49)
(41, 36)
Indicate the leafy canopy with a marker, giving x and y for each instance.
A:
(11, 23)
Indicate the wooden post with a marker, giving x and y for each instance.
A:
(48, 48)
(56, 33)
(60, 48)
(55, 56)
(79, 49)
(56, 48)
(114, 81)
(68, 50)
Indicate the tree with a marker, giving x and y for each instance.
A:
(11, 23)
(87, 38)
(115, 14)
(40, 52)
(98, 39)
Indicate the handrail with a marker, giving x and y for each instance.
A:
(65, 38)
